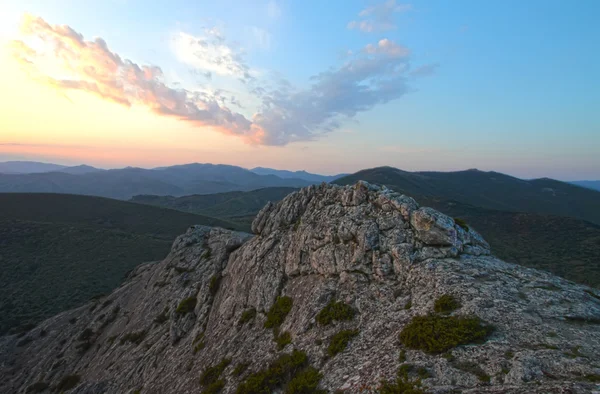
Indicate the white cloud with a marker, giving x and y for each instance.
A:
(209, 54)
(379, 17)
(285, 113)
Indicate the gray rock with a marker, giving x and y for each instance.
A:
(364, 245)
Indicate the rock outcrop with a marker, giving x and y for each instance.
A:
(336, 277)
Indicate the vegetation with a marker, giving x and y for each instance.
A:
(135, 337)
(96, 240)
(214, 387)
(247, 315)
(240, 369)
(474, 368)
(305, 382)
(446, 304)
(238, 207)
(68, 382)
(186, 305)
(278, 312)
(280, 371)
(199, 342)
(461, 223)
(403, 383)
(335, 311)
(340, 341)
(213, 286)
(212, 374)
(437, 334)
(283, 339)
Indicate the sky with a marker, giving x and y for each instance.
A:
(328, 87)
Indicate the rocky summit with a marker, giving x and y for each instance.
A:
(350, 289)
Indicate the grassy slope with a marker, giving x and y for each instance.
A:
(58, 251)
(240, 207)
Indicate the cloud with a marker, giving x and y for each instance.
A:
(369, 78)
(379, 17)
(376, 74)
(210, 53)
(90, 66)
(425, 70)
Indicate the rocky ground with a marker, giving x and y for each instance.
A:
(361, 288)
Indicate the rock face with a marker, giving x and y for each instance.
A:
(380, 254)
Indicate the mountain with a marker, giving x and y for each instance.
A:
(128, 182)
(314, 178)
(490, 190)
(589, 184)
(79, 170)
(28, 167)
(342, 289)
(567, 247)
(240, 207)
(58, 251)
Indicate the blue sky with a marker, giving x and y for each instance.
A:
(511, 86)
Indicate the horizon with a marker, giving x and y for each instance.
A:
(68, 165)
(418, 85)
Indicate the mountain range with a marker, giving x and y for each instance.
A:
(339, 289)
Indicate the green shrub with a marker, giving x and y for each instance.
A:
(278, 312)
(68, 382)
(335, 311)
(214, 387)
(213, 286)
(247, 315)
(212, 374)
(436, 334)
(134, 337)
(283, 339)
(403, 384)
(402, 356)
(446, 304)
(240, 369)
(279, 371)
(305, 382)
(339, 341)
(408, 305)
(461, 223)
(474, 368)
(594, 378)
(423, 373)
(186, 306)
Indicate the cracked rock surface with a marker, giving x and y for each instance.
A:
(364, 245)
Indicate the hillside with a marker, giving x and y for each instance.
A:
(58, 251)
(128, 182)
(595, 185)
(490, 190)
(240, 207)
(342, 289)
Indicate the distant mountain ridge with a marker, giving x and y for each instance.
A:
(589, 184)
(297, 174)
(489, 190)
(128, 182)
